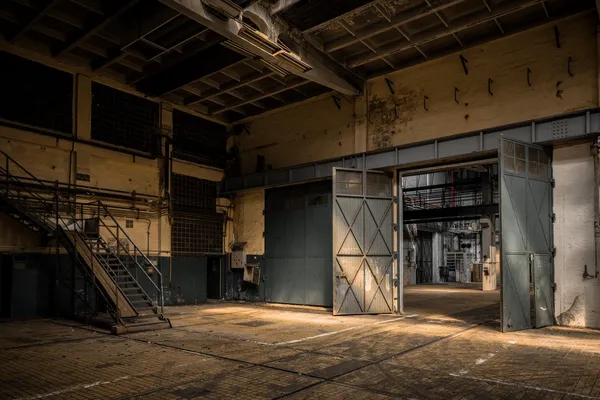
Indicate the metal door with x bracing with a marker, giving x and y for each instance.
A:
(526, 229)
(363, 256)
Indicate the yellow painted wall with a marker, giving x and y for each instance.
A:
(312, 131)
(249, 221)
(401, 118)
(48, 159)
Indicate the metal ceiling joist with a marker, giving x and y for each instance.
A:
(145, 28)
(453, 27)
(92, 30)
(396, 21)
(191, 70)
(282, 5)
(36, 16)
(249, 79)
(291, 85)
(233, 31)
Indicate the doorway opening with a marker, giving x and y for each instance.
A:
(214, 278)
(450, 242)
(6, 272)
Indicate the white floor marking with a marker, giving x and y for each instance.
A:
(344, 330)
(539, 389)
(73, 388)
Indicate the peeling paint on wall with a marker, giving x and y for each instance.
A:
(575, 315)
(388, 115)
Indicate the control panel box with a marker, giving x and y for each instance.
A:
(238, 259)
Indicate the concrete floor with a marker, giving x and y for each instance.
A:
(448, 345)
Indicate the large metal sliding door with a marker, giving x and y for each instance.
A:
(362, 242)
(298, 245)
(526, 229)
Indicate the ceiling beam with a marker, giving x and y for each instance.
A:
(34, 17)
(247, 80)
(396, 21)
(307, 66)
(282, 5)
(189, 71)
(296, 82)
(94, 28)
(433, 34)
(142, 29)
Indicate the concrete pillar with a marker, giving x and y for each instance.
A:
(82, 126)
(360, 124)
(165, 178)
(83, 107)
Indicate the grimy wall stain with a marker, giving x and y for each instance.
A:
(388, 115)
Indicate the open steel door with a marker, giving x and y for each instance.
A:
(526, 230)
(363, 256)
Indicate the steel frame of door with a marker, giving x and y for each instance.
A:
(528, 255)
(364, 253)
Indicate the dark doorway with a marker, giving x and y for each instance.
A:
(213, 278)
(5, 285)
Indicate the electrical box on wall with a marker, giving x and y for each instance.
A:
(252, 274)
(238, 259)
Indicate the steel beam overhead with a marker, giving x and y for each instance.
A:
(92, 30)
(398, 20)
(34, 18)
(469, 146)
(190, 70)
(247, 80)
(433, 34)
(144, 29)
(291, 85)
(263, 48)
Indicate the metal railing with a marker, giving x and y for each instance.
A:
(54, 214)
(121, 250)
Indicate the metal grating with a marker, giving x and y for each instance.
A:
(198, 140)
(197, 227)
(36, 94)
(124, 120)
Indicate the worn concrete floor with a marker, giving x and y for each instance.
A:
(447, 345)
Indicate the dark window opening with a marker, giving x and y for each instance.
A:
(198, 140)
(35, 94)
(125, 120)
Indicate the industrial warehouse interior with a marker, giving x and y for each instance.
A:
(299, 199)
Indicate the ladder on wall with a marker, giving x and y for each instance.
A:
(127, 286)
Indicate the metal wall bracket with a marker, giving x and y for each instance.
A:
(390, 85)
(529, 76)
(425, 98)
(465, 63)
(456, 94)
(557, 36)
(569, 66)
(490, 81)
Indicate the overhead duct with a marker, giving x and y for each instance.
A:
(223, 9)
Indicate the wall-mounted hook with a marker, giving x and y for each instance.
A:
(569, 66)
(425, 98)
(465, 63)
(390, 85)
(337, 101)
(559, 92)
(456, 95)
(557, 36)
(490, 81)
(529, 76)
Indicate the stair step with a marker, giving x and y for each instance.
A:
(128, 290)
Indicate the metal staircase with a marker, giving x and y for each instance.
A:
(127, 286)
